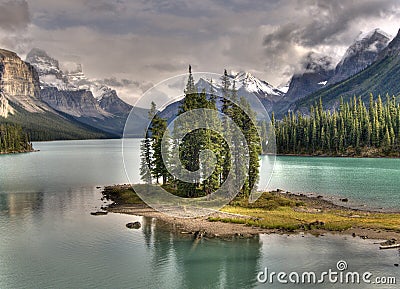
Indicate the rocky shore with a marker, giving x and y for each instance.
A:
(238, 221)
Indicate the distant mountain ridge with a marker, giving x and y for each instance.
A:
(248, 86)
(88, 101)
(21, 103)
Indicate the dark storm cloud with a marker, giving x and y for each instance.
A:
(104, 6)
(326, 22)
(114, 82)
(14, 15)
(166, 66)
(127, 83)
(148, 40)
(322, 26)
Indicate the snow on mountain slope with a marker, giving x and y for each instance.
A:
(362, 53)
(284, 88)
(252, 84)
(51, 76)
(48, 69)
(247, 85)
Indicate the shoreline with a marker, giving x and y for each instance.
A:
(19, 152)
(228, 223)
(351, 156)
(202, 227)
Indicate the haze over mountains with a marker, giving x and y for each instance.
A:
(21, 103)
(380, 77)
(39, 95)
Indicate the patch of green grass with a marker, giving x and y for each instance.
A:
(274, 211)
(267, 201)
(122, 195)
(227, 220)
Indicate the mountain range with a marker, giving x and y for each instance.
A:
(54, 104)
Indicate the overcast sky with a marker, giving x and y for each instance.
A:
(135, 43)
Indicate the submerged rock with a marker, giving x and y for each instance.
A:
(99, 213)
(134, 225)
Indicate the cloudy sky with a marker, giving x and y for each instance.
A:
(136, 43)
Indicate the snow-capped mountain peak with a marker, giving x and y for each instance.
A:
(370, 34)
(247, 85)
(103, 100)
(77, 74)
(50, 74)
(100, 90)
(250, 83)
(373, 41)
(361, 54)
(43, 63)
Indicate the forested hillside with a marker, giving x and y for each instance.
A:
(13, 139)
(354, 130)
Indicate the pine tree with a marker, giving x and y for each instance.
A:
(145, 159)
(193, 143)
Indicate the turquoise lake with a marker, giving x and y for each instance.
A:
(48, 239)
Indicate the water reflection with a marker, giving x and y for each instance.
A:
(27, 204)
(205, 263)
(51, 241)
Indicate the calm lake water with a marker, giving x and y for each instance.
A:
(48, 239)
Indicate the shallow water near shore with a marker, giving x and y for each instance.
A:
(49, 239)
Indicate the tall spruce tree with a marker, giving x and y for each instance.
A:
(158, 127)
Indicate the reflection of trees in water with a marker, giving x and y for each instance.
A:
(36, 205)
(206, 263)
(24, 205)
(147, 230)
(158, 239)
(241, 263)
(215, 263)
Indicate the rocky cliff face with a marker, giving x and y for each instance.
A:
(360, 54)
(110, 102)
(78, 103)
(392, 49)
(19, 82)
(5, 107)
